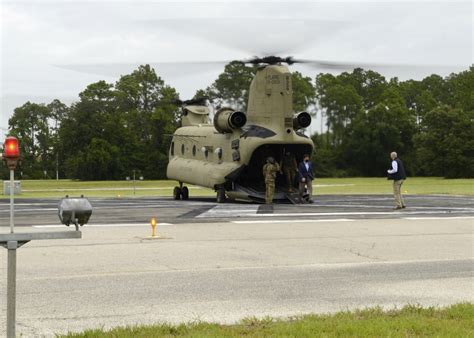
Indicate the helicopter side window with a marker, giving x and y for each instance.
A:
(218, 151)
(205, 151)
(194, 150)
(172, 149)
(182, 149)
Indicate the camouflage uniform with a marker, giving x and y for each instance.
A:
(269, 172)
(289, 167)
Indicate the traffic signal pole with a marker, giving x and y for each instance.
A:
(11, 288)
(12, 205)
(12, 241)
(11, 278)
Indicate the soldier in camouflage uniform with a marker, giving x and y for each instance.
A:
(290, 168)
(270, 170)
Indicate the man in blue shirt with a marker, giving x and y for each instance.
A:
(398, 175)
(305, 170)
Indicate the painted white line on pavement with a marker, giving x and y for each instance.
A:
(295, 221)
(373, 206)
(438, 218)
(111, 225)
(39, 209)
(354, 213)
(333, 185)
(104, 189)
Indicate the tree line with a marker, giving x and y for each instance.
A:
(117, 128)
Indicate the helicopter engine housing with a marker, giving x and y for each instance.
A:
(227, 120)
(301, 120)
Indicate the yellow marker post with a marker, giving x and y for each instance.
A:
(154, 235)
(153, 226)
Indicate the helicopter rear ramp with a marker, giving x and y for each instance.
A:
(295, 198)
(258, 195)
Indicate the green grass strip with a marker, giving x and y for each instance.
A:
(410, 321)
(323, 186)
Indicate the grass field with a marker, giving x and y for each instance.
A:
(410, 321)
(416, 185)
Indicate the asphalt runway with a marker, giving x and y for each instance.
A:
(225, 262)
(166, 210)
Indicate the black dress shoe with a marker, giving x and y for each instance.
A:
(397, 208)
(404, 206)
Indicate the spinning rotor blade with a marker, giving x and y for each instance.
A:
(248, 35)
(258, 36)
(199, 101)
(265, 37)
(336, 65)
(164, 69)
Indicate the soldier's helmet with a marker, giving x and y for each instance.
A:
(271, 160)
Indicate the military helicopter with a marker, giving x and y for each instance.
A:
(228, 154)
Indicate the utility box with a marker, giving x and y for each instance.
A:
(16, 187)
(74, 211)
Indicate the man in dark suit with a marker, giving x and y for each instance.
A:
(305, 170)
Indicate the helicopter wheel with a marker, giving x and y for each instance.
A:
(184, 193)
(177, 193)
(221, 195)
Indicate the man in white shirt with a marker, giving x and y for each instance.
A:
(398, 175)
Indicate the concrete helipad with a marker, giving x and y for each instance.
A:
(225, 262)
(140, 210)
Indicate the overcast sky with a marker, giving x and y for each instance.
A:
(45, 43)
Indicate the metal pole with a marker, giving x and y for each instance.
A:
(134, 182)
(11, 288)
(12, 211)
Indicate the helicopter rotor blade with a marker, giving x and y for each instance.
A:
(286, 36)
(166, 68)
(292, 35)
(345, 66)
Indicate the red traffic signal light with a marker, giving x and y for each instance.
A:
(11, 152)
(11, 149)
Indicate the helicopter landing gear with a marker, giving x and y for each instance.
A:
(221, 198)
(181, 192)
(184, 193)
(176, 193)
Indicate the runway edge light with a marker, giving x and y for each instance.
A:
(153, 226)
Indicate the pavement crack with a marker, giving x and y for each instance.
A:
(360, 254)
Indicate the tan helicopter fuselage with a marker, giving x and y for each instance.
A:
(204, 155)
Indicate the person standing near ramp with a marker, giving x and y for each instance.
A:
(290, 168)
(270, 170)
(397, 174)
(306, 177)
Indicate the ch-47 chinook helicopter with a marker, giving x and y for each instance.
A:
(228, 154)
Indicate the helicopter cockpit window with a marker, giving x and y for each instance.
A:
(172, 149)
(182, 149)
(194, 150)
